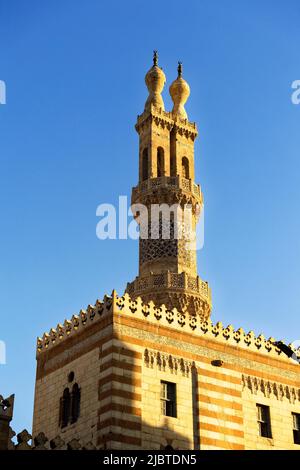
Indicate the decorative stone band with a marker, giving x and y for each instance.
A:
(149, 312)
(169, 182)
(166, 119)
(167, 362)
(168, 280)
(269, 388)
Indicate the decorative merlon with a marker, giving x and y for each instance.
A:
(41, 442)
(6, 407)
(150, 313)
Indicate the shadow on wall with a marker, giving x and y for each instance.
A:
(123, 394)
(140, 401)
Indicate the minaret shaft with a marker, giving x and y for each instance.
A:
(168, 264)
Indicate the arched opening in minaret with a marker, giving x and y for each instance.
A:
(160, 162)
(185, 168)
(145, 164)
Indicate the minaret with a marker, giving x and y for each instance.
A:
(168, 265)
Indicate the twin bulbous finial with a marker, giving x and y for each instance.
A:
(179, 90)
(155, 80)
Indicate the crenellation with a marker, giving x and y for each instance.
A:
(172, 318)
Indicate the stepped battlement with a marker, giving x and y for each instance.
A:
(160, 315)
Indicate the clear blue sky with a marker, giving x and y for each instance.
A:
(74, 72)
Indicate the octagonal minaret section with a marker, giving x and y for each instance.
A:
(167, 260)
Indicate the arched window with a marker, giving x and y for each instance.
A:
(145, 165)
(69, 404)
(160, 162)
(185, 168)
(75, 403)
(65, 406)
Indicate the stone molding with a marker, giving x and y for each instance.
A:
(270, 388)
(163, 119)
(167, 362)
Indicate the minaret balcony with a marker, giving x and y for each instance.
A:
(171, 282)
(167, 182)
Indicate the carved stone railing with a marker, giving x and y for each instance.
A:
(171, 280)
(169, 182)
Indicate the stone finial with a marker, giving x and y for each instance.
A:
(179, 69)
(23, 438)
(7, 406)
(155, 80)
(6, 414)
(179, 91)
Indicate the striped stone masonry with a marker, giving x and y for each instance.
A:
(121, 349)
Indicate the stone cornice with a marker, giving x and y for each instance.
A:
(166, 119)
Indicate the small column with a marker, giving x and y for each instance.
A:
(6, 414)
